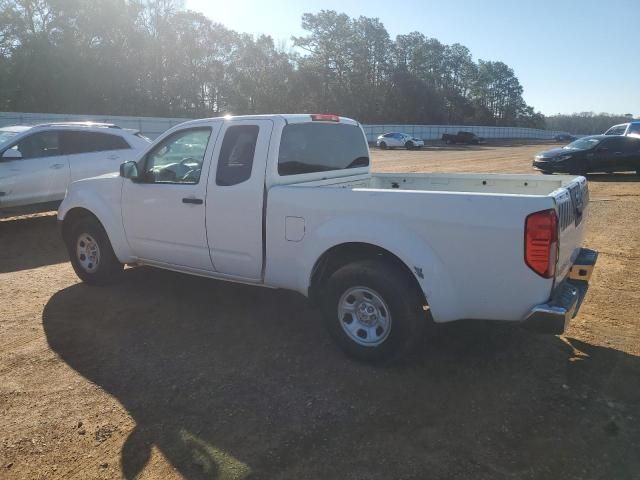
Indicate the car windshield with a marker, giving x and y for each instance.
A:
(6, 135)
(583, 144)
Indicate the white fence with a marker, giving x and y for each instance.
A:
(434, 132)
(152, 126)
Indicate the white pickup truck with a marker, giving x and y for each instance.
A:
(288, 201)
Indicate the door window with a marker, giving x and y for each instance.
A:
(236, 155)
(178, 158)
(39, 145)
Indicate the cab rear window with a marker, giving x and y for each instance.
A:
(321, 147)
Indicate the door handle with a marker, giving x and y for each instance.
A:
(57, 166)
(113, 157)
(195, 201)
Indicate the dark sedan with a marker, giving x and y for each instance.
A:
(598, 153)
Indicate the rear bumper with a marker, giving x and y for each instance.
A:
(554, 317)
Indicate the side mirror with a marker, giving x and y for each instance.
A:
(11, 154)
(129, 170)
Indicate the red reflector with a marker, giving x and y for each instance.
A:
(324, 117)
(541, 242)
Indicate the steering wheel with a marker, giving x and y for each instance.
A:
(184, 161)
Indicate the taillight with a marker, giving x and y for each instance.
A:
(324, 117)
(541, 242)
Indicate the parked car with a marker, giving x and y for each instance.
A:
(564, 137)
(597, 153)
(288, 201)
(462, 137)
(631, 129)
(403, 140)
(37, 163)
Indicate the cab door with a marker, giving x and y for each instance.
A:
(34, 170)
(163, 211)
(235, 198)
(613, 154)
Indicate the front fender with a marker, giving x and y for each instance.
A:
(395, 237)
(104, 202)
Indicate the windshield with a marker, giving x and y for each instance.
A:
(583, 144)
(6, 135)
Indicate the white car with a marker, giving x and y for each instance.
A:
(288, 201)
(37, 163)
(403, 140)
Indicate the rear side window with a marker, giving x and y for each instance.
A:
(321, 147)
(88, 142)
(236, 155)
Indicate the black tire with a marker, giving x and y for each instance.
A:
(107, 269)
(383, 146)
(546, 172)
(409, 145)
(399, 293)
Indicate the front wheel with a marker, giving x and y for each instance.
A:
(91, 254)
(409, 145)
(383, 146)
(373, 310)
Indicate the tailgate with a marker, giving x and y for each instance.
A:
(572, 203)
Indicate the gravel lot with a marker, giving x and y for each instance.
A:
(170, 376)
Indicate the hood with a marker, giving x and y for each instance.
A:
(554, 152)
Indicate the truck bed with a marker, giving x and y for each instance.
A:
(514, 184)
(464, 232)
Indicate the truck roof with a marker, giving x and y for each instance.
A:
(287, 117)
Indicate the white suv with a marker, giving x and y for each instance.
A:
(37, 163)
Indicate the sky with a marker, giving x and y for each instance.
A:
(569, 55)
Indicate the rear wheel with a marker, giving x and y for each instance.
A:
(91, 254)
(409, 145)
(373, 311)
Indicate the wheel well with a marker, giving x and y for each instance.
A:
(345, 253)
(73, 216)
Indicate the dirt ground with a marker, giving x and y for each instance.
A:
(169, 376)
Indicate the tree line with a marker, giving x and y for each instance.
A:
(153, 57)
(586, 123)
